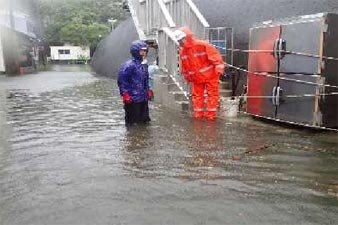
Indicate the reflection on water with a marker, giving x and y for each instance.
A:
(68, 159)
(70, 68)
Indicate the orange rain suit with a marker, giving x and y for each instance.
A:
(202, 65)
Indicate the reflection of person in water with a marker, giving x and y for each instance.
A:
(205, 146)
(26, 59)
(137, 152)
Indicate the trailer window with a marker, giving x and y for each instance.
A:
(64, 51)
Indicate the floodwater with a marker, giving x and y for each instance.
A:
(67, 158)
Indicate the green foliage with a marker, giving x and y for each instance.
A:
(79, 22)
(82, 59)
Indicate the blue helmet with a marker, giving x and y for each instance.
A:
(135, 48)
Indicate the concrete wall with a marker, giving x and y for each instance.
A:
(2, 62)
(19, 25)
(20, 15)
(74, 52)
(10, 50)
(242, 14)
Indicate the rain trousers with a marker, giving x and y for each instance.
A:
(201, 64)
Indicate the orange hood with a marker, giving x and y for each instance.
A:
(190, 37)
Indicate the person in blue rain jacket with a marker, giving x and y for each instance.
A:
(133, 82)
(152, 70)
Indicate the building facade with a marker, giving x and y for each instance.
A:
(19, 35)
(68, 53)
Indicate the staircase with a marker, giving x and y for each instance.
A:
(155, 21)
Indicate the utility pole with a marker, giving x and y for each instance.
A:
(11, 18)
(112, 21)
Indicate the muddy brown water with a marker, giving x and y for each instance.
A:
(67, 158)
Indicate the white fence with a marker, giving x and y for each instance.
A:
(150, 16)
(185, 13)
(169, 58)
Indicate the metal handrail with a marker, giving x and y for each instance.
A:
(198, 13)
(138, 16)
(169, 20)
(169, 59)
(185, 13)
(150, 16)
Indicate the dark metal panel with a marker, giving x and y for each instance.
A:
(300, 37)
(260, 86)
(298, 100)
(303, 37)
(329, 104)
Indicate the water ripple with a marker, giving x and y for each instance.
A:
(69, 151)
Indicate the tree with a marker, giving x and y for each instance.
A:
(79, 22)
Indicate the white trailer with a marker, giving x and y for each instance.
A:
(67, 53)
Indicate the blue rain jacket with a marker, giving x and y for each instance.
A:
(133, 76)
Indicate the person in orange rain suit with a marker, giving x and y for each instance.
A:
(202, 65)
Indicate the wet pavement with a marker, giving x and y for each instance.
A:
(67, 158)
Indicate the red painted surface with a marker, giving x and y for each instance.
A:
(259, 85)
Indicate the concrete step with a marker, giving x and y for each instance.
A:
(183, 105)
(225, 85)
(225, 93)
(164, 79)
(179, 96)
(168, 94)
(172, 87)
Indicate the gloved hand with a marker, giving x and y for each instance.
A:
(220, 68)
(126, 98)
(150, 95)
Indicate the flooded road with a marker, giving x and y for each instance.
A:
(67, 158)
